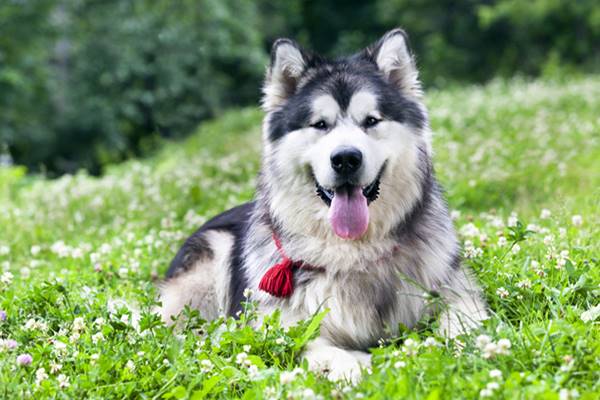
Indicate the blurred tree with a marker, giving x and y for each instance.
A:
(116, 74)
(26, 34)
(84, 83)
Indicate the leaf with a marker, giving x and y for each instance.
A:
(311, 329)
(434, 394)
(207, 387)
(177, 392)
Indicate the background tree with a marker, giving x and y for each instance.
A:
(85, 83)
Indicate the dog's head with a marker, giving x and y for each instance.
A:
(346, 141)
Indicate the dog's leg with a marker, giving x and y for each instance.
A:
(202, 282)
(335, 362)
(464, 305)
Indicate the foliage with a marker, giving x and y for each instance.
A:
(78, 257)
(95, 82)
(110, 77)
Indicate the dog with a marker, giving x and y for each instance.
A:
(347, 216)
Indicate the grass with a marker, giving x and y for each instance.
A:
(520, 162)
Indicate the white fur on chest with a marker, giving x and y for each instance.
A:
(369, 290)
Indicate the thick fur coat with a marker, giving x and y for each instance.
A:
(347, 185)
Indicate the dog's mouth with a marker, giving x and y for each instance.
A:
(371, 192)
(348, 206)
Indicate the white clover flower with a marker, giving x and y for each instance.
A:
(566, 394)
(252, 371)
(74, 337)
(410, 347)
(308, 394)
(502, 241)
(33, 324)
(562, 232)
(471, 251)
(25, 272)
(493, 386)
(76, 253)
(248, 293)
(548, 239)
(590, 315)
(206, 366)
(35, 250)
(270, 392)
(78, 324)
(490, 350)
(399, 364)
(495, 374)
(533, 228)
(577, 220)
(469, 230)
(241, 358)
(503, 346)
(95, 357)
(60, 249)
(286, 377)
(105, 248)
(497, 222)
(280, 341)
(97, 337)
(40, 375)
(59, 347)
(545, 214)
(99, 322)
(431, 342)
(516, 248)
(55, 367)
(482, 340)
(130, 365)
(524, 284)
(6, 278)
(63, 381)
(512, 220)
(486, 393)
(455, 214)
(502, 292)
(246, 348)
(4, 250)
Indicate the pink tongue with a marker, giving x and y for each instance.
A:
(349, 214)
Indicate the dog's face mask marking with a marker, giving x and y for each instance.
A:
(343, 130)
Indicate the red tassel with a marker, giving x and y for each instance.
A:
(278, 280)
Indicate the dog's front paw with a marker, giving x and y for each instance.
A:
(337, 364)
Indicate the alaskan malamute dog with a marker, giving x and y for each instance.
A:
(348, 214)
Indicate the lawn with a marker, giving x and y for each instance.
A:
(80, 258)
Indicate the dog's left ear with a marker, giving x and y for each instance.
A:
(393, 57)
(288, 63)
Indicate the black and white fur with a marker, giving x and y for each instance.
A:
(372, 284)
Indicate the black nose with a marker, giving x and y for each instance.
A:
(346, 160)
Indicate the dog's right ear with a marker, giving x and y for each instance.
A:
(393, 57)
(288, 62)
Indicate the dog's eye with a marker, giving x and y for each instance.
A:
(320, 125)
(370, 122)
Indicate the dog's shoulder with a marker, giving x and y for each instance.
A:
(233, 221)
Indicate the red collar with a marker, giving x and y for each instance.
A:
(278, 281)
